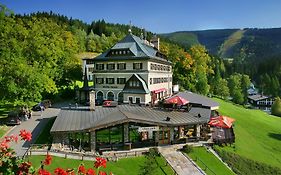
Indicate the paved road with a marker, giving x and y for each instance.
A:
(34, 125)
(181, 164)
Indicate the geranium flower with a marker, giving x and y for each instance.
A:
(91, 172)
(43, 172)
(102, 173)
(48, 159)
(100, 162)
(81, 169)
(25, 135)
(60, 171)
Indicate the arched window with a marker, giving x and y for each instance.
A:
(110, 96)
(100, 95)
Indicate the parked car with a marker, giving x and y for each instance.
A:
(109, 103)
(12, 119)
(37, 107)
(42, 105)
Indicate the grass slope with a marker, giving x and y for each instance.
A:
(230, 42)
(258, 135)
(210, 160)
(122, 166)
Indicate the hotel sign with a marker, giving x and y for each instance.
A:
(146, 129)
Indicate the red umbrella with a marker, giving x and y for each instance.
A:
(221, 122)
(177, 100)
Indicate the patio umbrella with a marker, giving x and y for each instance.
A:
(221, 121)
(176, 100)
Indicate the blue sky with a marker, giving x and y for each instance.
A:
(161, 16)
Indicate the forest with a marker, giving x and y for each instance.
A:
(39, 56)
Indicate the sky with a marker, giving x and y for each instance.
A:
(162, 16)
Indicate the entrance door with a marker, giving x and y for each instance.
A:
(164, 136)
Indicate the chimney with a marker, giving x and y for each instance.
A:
(155, 41)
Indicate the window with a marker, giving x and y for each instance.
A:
(134, 84)
(121, 80)
(109, 80)
(89, 61)
(110, 66)
(99, 67)
(150, 81)
(99, 80)
(90, 69)
(138, 100)
(121, 66)
(137, 66)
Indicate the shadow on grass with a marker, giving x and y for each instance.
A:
(275, 136)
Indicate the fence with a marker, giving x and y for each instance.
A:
(109, 155)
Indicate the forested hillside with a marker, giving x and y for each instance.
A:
(39, 53)
(255, 52)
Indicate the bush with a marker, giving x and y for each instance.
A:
(242, 165)
(187, 149)
(276, 107)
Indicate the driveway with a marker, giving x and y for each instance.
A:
(35, 125)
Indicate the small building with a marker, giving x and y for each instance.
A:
(260, 101)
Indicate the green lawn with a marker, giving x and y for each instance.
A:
(4, 129)
(200, 154)
(258, 134)
(121, 167)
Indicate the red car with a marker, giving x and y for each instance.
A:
(109, 103)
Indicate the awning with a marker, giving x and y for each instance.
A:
(159, 90)
(177, 100)
(221, 122)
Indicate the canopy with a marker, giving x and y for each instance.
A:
(221, 121)
(176, 100)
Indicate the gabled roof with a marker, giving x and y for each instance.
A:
(143, 89)
(258, 97)
(82, 120)
(136, 45)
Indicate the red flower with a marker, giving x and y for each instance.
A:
(102, 173)
(60, 171)
(25, 135)
(81, 169)
(48, 159)
(100, 162)
(43, 172)
(91, 172)
(4, 145)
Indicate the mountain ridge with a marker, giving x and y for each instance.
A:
(245, 44)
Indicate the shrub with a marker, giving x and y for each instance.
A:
(276, 107)
(187, 149)
(242, 165)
